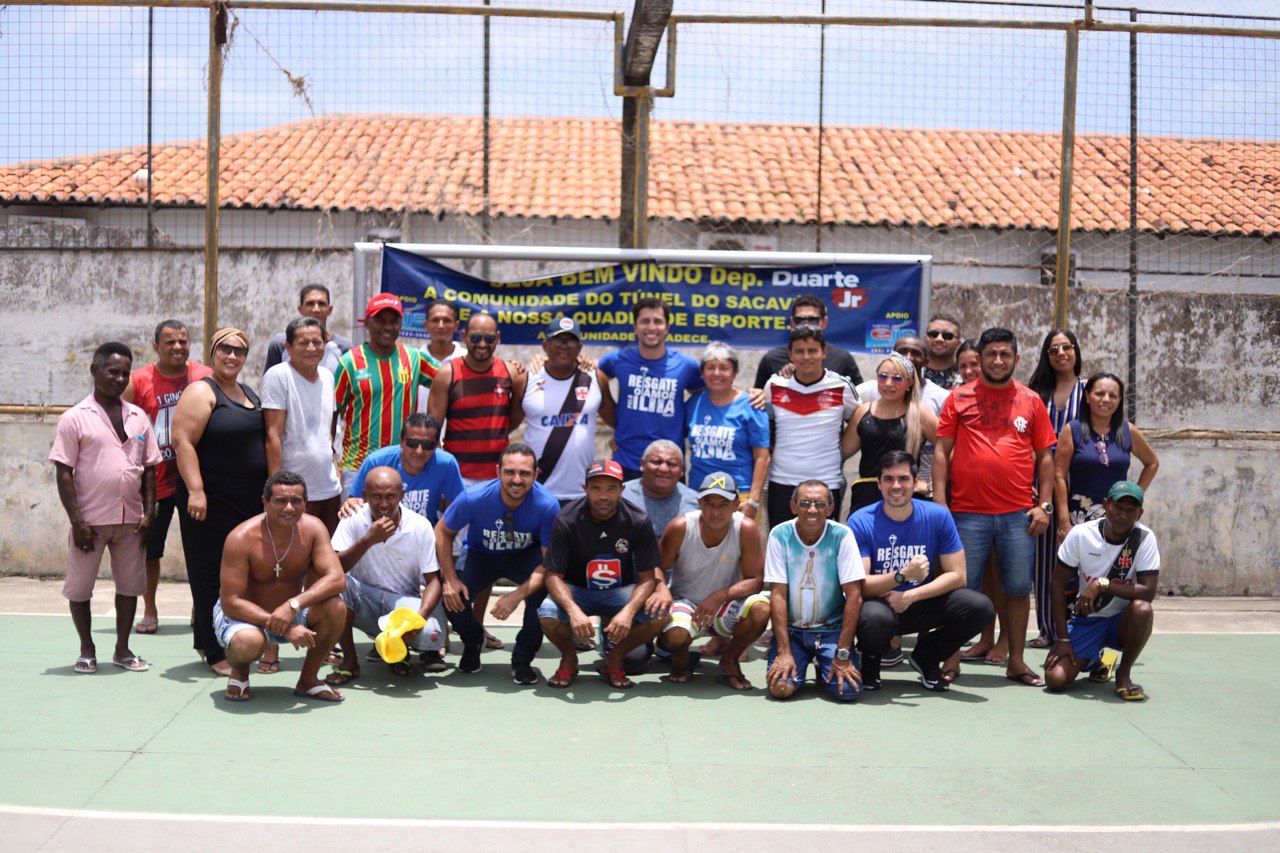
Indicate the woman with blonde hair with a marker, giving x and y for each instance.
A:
(895, 421)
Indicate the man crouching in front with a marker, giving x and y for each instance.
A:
(281, 583)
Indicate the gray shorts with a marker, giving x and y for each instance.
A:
(370, 603)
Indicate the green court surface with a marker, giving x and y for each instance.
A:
(1204, 750)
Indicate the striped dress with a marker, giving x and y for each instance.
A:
(1047, 542)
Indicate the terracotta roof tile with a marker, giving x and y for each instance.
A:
(569, 168)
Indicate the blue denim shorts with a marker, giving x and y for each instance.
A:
(604, 603)
(1015, 550)
(820, 648)
(1091, 634)
(224, 627)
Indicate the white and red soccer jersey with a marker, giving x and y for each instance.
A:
(807, 423)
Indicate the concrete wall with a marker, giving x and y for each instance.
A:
(1206, 361)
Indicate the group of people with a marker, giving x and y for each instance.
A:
(360, 480)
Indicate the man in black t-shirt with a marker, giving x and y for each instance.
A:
(601, 562)
(809, 310)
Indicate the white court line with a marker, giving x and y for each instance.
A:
(111, 613)
(561, 826)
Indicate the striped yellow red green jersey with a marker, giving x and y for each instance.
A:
(374, 394)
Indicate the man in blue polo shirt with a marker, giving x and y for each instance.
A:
(652, 383)
(508, 523)
(915, 583)
(430, 475)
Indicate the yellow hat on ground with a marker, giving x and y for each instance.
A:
(395, 625)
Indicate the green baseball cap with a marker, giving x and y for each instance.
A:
(1125, 489)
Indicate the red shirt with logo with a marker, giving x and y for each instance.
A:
(157, 395)
(997, 433)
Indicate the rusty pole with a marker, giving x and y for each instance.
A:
(1063, 273)
(217, 39)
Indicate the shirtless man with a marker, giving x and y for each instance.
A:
(281, 583)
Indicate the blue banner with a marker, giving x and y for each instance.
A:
(869, 305)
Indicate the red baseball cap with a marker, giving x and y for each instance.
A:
(604, 468)
(384, 302)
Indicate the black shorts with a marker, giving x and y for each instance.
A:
(160, 527)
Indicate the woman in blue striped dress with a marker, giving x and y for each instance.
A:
(1057, 380)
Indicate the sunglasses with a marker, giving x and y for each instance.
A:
(895, 378)
(809, 504)
(946, 336)
(482, 339)
(229, 349)
(421, 443)
(1054, 349)
(806, 321)
(1101, 446)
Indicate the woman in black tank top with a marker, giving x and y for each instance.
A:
(219, 437)
(893, 421)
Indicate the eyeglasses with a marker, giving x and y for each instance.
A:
(482, 339)
(421, 443)
(228, 349)
(1054, 349)
(937, 333)
(895, 378)
(809, 504)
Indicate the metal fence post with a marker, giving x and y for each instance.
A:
(1068, 165)
(217, 39)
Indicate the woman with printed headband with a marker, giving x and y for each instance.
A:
(1093, 454)
(895, 421)
(1057, 380)
(219, 437)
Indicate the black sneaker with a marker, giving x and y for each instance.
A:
(433, 662)
(930, 675)
(522, 673)
(870, 672)
(470, 659)
(892, 659)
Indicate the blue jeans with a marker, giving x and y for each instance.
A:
(819, 647)
(478, 570)
(604, 603)
(1015, 550)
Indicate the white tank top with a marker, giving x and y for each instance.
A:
(699, 570)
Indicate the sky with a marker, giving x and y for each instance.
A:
(76, 78)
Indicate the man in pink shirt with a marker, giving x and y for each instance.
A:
(106, 455)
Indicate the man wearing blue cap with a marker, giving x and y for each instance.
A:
(716, 570)
(1115, 562)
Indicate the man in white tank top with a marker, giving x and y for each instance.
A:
(715, 572)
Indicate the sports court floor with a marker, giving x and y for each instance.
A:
(122, 760)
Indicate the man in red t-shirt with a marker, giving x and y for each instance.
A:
(994, 435)
(155, 389)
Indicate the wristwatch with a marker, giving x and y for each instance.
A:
(1047, 508)
(295, 605)
(1104, 583)
(899, 577)
(842, 654)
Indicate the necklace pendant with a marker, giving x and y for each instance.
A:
(277, 570)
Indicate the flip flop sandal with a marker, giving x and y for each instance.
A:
(950, 675)
(242, 686)
(149, 625)
(493, 643)
(615, 678)
(86, 665)
(1028, 679)
(133, 663)
(563, 677)
(1040, 642)
(970, 657)
(268, 667)
(734, 682)
(320, 693)
(403, 668)
(1101, 673)
(339, 677)
(1132, 693)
